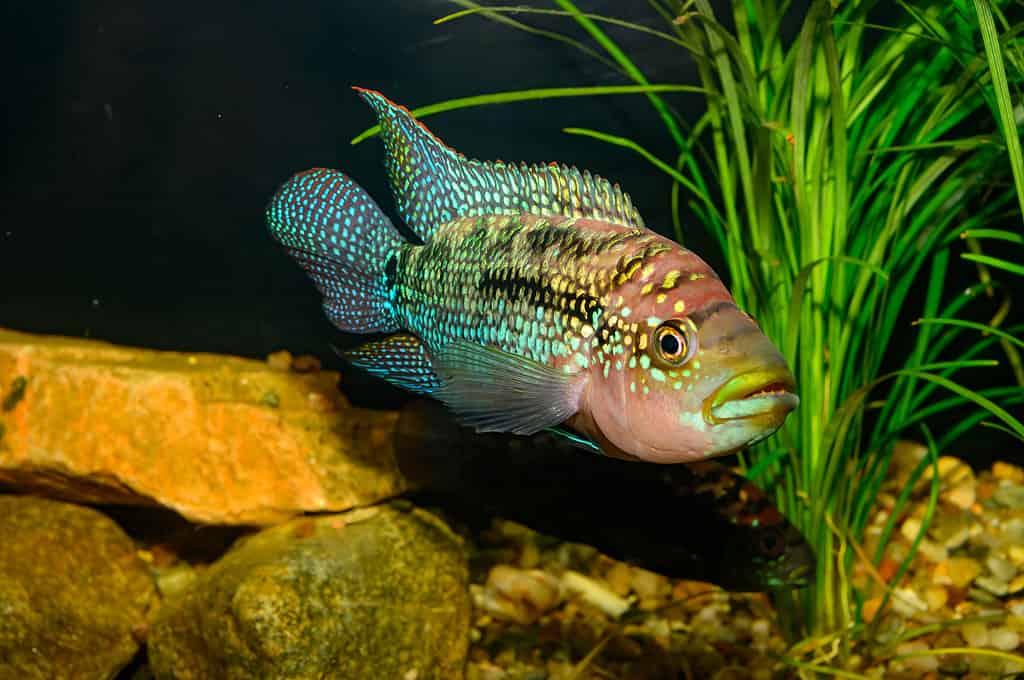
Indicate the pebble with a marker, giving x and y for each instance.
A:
(951, 530)
(1003, 639)
(908, 603)
(1009, 496)
(530, 593)
(1011, 473)
(975, 634)
(1016, 585)
(647, 584)
(911, 528)
(936, 597)
(956, 571)
(1013, 531)
(620, 578)
(1000, 568)
(1016, 553)
(931, 551)
(280, 361)
(925, 663)
(996, 586)
(962, 495)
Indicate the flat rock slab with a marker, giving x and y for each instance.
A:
(374, 593)
(218, 439)
(74, 594)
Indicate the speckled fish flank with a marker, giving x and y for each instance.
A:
(538, 299)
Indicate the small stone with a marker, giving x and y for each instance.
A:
(975, 634)
(648, 585)
(1013, 531)
(908, 603)
(619, 578)
(952, 471)
(982, 596)
(280, 361)
(533, 592)
(956, 571)
(1008, 472)
(1000, 568)
(1016, 585)
(931, 551)
(996, 586)
(936, 597)
(925, 663)
(962, 495)
(1003, 639)
(1016, 554)
(911, 528)
(951, 530)
(1009, 496)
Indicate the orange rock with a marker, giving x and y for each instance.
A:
(219, 439)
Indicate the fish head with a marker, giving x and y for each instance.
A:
(765, 557)
(690, 376)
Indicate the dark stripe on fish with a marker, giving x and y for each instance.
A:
(514, 288)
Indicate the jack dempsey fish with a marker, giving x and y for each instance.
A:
(537, 300)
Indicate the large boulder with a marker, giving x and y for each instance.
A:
(74, 595)
(219, 439)
(378, 592)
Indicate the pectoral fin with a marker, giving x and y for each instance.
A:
(496, 391)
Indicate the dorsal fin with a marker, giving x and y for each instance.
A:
(434, 184)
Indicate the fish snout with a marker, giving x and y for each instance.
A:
(760, 386)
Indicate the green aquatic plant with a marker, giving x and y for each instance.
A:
(837, 170)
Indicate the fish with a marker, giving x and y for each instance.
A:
(700, 522)
(536, 299)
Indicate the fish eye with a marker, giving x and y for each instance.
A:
(672, 342)
(771, 542)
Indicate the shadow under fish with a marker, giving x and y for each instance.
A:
(698, 522)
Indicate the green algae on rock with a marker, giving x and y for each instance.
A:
(73, 592)
(378, 592)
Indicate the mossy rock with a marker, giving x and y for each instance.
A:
(73, 592)
(374, 593)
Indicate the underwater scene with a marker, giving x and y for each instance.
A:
(554, 340)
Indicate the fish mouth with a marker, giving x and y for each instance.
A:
(753, 395)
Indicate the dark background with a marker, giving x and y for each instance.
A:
(144, 140)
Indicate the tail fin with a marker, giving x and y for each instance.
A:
(434, 184)
(333, 228)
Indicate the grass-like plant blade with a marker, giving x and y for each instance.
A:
(1007, 120)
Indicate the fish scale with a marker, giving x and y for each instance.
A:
(530, 286)
(536, 300)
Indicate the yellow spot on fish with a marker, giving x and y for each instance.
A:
(661, 298)
(641, 342)
(670, 280)
(646, 273)
(696, 277)
(679, 306)
(587, 331)
(648, 287)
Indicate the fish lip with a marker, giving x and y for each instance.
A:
(745, 397)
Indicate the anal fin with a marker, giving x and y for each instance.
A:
(401, 359)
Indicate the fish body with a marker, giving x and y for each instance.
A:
(699, 522)
(538, 299)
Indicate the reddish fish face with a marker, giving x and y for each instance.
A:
(680, 373)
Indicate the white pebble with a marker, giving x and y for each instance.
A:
(1003, 639)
